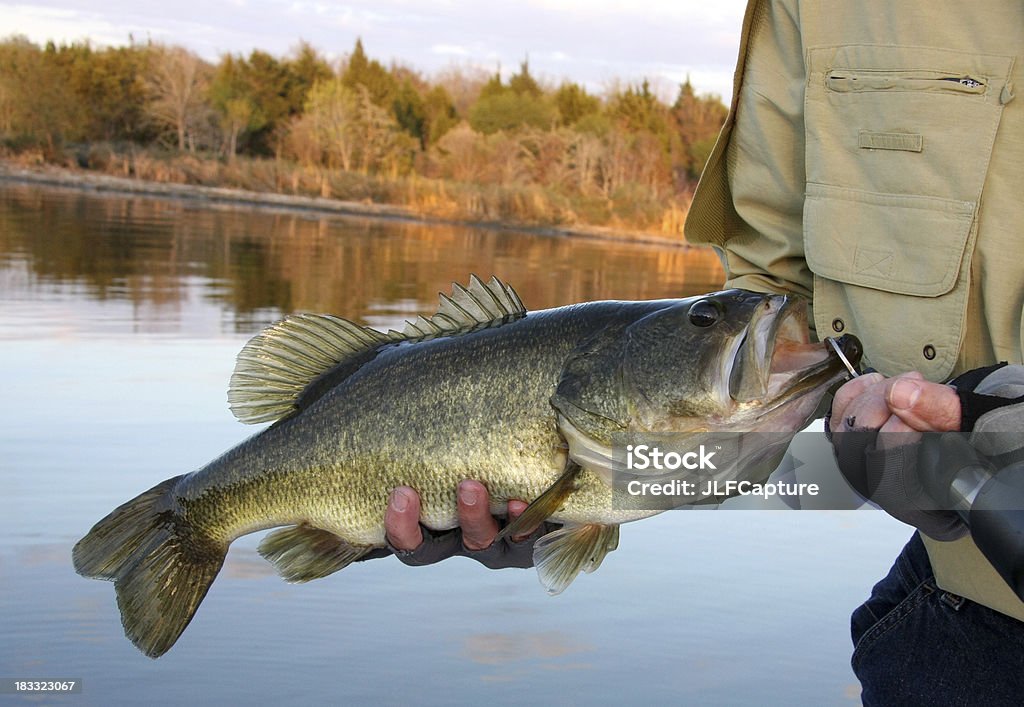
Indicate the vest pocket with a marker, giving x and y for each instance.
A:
(898, 143)
(850, 81)
(892, 269)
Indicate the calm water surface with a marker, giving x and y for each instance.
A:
(119, 322)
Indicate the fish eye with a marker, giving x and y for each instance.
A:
(703, 313)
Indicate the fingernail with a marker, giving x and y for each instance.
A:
(399, 500)
(468, 495)
(904, 394)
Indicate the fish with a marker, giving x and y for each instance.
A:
(535, 405)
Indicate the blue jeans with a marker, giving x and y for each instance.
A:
(915, 644)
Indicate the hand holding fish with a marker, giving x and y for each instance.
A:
(475, 537)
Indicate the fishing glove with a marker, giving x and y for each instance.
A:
(437, 546)
(440, 545)
(891, 477)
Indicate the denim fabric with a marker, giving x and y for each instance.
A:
(915, 644)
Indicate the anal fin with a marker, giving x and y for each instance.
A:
(564, 553)
(545, 505)
(300, 553)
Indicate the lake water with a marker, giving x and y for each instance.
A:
(119, 322)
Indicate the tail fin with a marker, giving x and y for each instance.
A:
(161, 567)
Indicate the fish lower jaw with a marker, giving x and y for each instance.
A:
(790, 416)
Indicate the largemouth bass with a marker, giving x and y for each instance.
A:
(531, 404)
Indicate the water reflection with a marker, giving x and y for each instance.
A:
(260, 265)
(504, 648)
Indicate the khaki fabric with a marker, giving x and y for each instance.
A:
(872, 160)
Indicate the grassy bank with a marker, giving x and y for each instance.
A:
(629, 215)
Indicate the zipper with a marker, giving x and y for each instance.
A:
(845, 81)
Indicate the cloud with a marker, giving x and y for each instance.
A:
(591, 41)
(450, 50)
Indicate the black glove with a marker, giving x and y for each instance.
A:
(986, 389)
(892, 477)
(440, 545)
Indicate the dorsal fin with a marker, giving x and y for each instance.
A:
(480, 305)
(277, 365)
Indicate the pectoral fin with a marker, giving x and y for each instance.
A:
(301, 552)
(545, 505)
(562, 554)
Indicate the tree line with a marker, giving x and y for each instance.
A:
(464, 143)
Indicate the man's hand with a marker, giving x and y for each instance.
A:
(876, 424)
(475, 537)
(922, 405)
(479, 527)
(906, 403)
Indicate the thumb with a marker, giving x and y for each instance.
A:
(924, 406)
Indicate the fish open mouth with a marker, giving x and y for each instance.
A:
(775, 359)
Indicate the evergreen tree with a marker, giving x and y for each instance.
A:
(410, 112)
(441, 113)
(520, 103)
(573, 103)
(305, 68)
(523, 84)
(697, 122)
(371, 74)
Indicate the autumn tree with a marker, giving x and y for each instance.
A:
(110, 88)
(330, 124)
(462, 85)
(232, 97)
(461, 154)
(344, 129)
(177, 81)
(37, 102)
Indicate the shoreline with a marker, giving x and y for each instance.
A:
(128, 186)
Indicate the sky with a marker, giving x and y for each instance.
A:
(593, 42)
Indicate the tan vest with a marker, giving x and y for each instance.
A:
(873, 160)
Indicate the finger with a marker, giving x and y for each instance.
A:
(515, 509)
(402, 519)
(924, 406)
(866, 411)
(896, 433)
(478, 525)
(847, 393)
